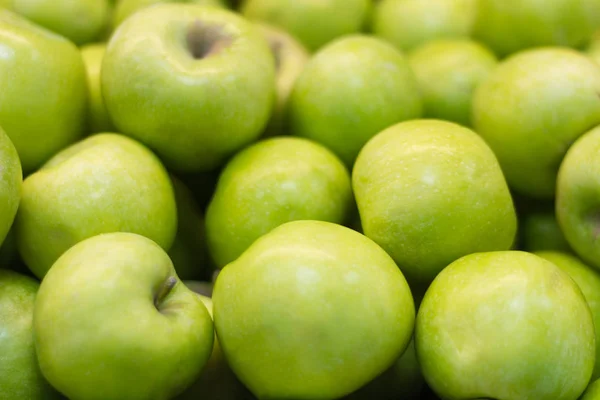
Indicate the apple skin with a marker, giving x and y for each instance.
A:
(505, 325)
(351, 90)
(11, 181)
(105, 183)
(430, 192)
(542, 232)
(125, 8)
(593, 48)
(448, 71)
(324, 291)
(21, 376)
(588, 280)
(314, 23)
(577, 207)
(531, 115)
(593, 391)
(81, 21)
(511, 26)
(290, 57)
(113, 321)
(193, 112)
(58, 104)
(270, 183)
(98, 119)
(408, 24)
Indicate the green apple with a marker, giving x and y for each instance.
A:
(98, 119)
(105, 183)
(335, 312)
(448, 71)
(11, 180)
(274, 181)
(20, 377)
(592, 392)
(577, 205)
(514, 25)
(410, 23)
(542, 232)
(593, 48)
(189, 252)
(430, 192)
(530, 115)
(125, 8)
(113, 321)
(193, 83)
(290, 58)
(43, 96)
(81, 21)
(402, 381)
(505, 325)
(588, 281)
(314, 23)
(349, 91)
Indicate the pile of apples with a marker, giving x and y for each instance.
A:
(300, 199)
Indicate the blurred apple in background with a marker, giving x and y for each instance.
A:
(448, 71)
(334, 310)
(592, 392)
(105, 183)
(314, 23)
(530, 115)
(593, 48)
(351, 90)
(40, 115)
(270, 183)
(430, 192)
(542, 232)
(408, 24)
(98, 119)
(505, 325)
(195, 97)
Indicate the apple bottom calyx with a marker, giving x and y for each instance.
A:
(164, 291)
(205, 40)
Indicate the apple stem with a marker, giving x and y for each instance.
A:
(164, 290)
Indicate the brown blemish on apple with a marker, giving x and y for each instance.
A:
(205, 40)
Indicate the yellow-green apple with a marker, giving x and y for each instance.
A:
(410, 23)
(193, 83)
(530, 115)
(505, 325)
(592, 392)
(97, 116)
(43, 96)
(430, 192)
(11, 180)
(578, 191)
(315, 300)
(274, 181)
(105, 183)
(314, 23)
(349, 91)
(448, 71)
(593, 48)
(542, 232)
(20, 376)
(125, 8)
(113, 321)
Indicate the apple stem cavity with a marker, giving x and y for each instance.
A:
(164, 291)
(205, 40)
(276, 46)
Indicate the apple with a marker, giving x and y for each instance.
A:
(530, 115)
(351, 90)
(195, 97)
(105, 183)
(189, 251)
(430, 192)
(588, 281)
(272, 182)
(11, 179)
(314, 23)
(125, 8)
(20, 377)
(511, 26)
(81, 21)
(43, 96)
(312, 310)
(593, 48)
(408, 24)
(98, 119)
(542, 232)
(592, 392)
(448, 71)
(505, 325)
(578, 188)
(113, 321)
(290, 58)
